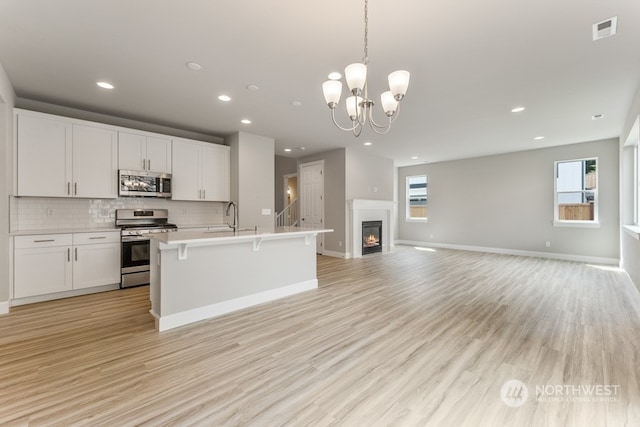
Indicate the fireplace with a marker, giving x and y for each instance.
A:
(371, 237)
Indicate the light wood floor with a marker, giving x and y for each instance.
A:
(408, 338)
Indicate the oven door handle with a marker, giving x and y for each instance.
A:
(135, 239)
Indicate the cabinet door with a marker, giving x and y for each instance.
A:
(96, 265)
(214, 164)
(185, 183)
(95, 162)
(40, 271)
(44, 156)
(159, 155)
(131, 151)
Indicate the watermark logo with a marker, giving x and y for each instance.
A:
(514, 393)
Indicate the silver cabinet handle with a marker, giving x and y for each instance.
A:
(204, 194)
(46, 240)
(144, 166)
(75, 189)
(96, 238)
(68, 254)
(69, 188)
(149, 164)
(76, 254)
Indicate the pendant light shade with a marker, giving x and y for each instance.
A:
(399, 83)
(332, 90)
(389, 103)
(356, 75)
(354, 108)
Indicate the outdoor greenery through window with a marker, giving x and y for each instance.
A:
(417, 197)
(576, 195)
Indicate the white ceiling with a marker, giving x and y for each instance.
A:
(471, 62)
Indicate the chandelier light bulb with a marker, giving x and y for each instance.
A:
(356, 76)
(354, 108)
(399, 83)
(332, 90)
(389, 103)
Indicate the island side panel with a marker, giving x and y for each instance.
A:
(222, 273)
(154, 285)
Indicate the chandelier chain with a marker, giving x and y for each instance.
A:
(365, 60)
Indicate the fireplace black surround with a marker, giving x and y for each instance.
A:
(371, 237)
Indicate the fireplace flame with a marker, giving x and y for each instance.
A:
(371, 240)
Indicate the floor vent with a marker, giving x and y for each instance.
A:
(605, 28)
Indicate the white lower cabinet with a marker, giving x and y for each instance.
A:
(51, 263)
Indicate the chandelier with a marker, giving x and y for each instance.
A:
(359, 106)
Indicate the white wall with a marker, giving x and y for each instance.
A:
(7, 102)
(629, 246)
(506, 202)
(252, 178)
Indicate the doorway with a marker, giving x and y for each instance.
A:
(312, 198)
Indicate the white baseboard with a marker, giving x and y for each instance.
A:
(171, 321)
(536, 254)
(4, 307)
(336, 254)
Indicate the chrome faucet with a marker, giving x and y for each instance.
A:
(234, 226)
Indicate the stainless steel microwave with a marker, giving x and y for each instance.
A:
(144, 184)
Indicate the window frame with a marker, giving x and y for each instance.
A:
(408, 217)
(595, 222)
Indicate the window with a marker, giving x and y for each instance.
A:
(576, 192)
(417, 197)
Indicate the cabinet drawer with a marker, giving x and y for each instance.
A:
(42, 241)
(97, 237)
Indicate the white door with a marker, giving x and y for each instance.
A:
(131, 152)
(215, 164)
(41, 271)
(311, 196)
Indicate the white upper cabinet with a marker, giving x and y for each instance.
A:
(144, 153)
(44, 154)
(59, 158)
(201, 171)
(95, 160)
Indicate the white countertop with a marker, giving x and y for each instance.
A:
(244, 234)
(63, 231)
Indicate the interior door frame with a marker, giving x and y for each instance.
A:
(285, 179)
(320, 236)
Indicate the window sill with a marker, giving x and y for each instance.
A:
(579, 224)
(632, 230)
(416, 220)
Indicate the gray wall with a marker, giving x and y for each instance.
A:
(334, 196)
(506, 202)
(630, 247)
(368, 176)
(252, 172)
(7, 101)
(283, 166)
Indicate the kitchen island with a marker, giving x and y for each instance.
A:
(199, 275)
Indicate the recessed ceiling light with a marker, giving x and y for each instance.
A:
(224, 98)
(368, 143)
(414, 158)
(252, 87)
(518, 109)
(245, 121)
(287, 150)
(597, 116)
(538, 138)
(296, 103)
(194, 66)
(335, 76)
(105, 85)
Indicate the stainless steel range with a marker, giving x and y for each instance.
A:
(136, 226)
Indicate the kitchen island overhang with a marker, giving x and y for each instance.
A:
(199, 275)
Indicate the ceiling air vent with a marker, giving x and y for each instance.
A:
(605, 28)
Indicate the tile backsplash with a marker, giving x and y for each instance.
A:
(37, 213)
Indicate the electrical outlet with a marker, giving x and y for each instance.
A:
(49, 212)
(266, 211)
(547, 244)
(340, 243)
(431, 236)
